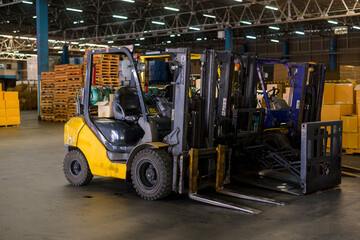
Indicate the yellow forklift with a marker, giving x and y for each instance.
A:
(156, 152)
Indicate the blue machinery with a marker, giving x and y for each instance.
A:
(305, 98)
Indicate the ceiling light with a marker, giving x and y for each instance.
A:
(251, 37)
(274, 28)
(130, 1)
(159, 23)
(275, 40)
(168, 41)
(238, 0)
(110, 42)
(27, 2)
(74, 43)
(172, 9)
(332, 22)
(300, 33)
(272, 8)
(35, 50)
(356, 27)
(172, 35)
(74, 9)
(34, 16)
(121, 17)
(246, 22)
(198, 39)
(178, 35)
(57, 47)
(209, 16)
(194, 28)
(60, 51)
(82, 50)
(137, 44)
(82, 38)
(142, 38)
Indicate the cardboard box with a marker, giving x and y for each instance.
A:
(12, 104)
(350, 123)
(2, 112)
(286, 97)
(105, 108)
(350, 140)
(287, 90)
(12, 120)
(357, 93)
(329, 93)
(344, 93)
(11, 95)
(2, 104)
(13, 112)
(1, 95)
(2, 121)
(334, 112)
(351, 109)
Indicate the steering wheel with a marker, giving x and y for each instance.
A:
(275, 91)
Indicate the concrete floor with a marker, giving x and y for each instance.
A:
(36, 202)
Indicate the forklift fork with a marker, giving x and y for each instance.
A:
(220, 176)
(220, 151)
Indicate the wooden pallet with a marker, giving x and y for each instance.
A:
(47, 74)
(352, 150)
(47, 118)
(8, 126)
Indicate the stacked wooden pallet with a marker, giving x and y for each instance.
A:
(47, 95)
(74, 85)
(60, 93)
(107, 69)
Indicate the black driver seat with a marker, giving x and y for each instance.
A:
(126, 104)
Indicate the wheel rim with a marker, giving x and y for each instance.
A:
(147, 174)
(75, 168)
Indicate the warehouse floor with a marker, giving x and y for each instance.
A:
(37, 202)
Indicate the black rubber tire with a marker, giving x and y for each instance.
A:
(161, 169)
(76, 168)
(276, 140)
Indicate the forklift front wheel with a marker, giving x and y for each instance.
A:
(76, 168)
(151, 174)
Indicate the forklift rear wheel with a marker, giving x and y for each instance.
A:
(76, 168)
(151, 174)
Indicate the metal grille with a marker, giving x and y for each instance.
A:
(321, 152)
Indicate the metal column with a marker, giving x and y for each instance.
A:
(244, 48)
(42, 27)
(229, 39)
(65, 56)
(332, 56)
(285, 50)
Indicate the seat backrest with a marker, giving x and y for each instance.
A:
(128, 99)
